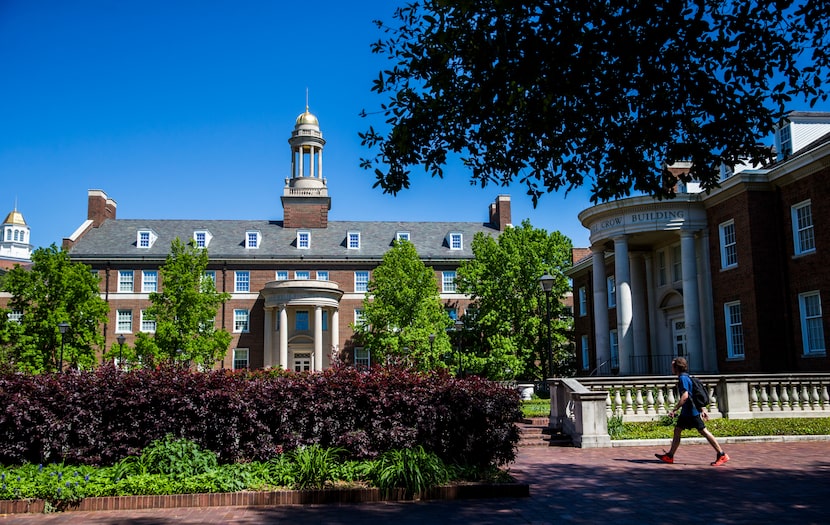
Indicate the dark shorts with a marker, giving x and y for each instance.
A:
(687, 422)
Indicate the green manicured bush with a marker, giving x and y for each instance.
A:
(729, 427)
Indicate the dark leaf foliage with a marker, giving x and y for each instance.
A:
(561, 94)
(103, 416)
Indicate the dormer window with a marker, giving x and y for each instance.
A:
(145, 238)
(202, 238)
(402, 236)
(252, 239)
(455, 241)
(303, 240)
(785, 142)
(354, 240)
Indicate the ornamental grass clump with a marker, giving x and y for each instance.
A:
(414, 470)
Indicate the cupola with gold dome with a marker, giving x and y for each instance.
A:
(305, 198)
(15, 243)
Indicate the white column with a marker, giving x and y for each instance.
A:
(268, 339)
(335, 331)
(311, 161)
(301, 168)
(638, 299)
(691, 302)
(318, 338)
(652, 307)
(622, 279)
(320, 163)
(707, 313)
(283, 362)
(601, 336)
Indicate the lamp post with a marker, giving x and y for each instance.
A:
(459, 326)
(121, 340)
(63, 327)
(546, 284)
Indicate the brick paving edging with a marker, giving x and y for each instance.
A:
(272, 498)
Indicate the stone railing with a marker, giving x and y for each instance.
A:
(645, 398)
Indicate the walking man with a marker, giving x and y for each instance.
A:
(689, 416)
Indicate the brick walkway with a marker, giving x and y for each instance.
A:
(763, 483)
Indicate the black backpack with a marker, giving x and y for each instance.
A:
(699, 393)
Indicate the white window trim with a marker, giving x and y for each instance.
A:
(450, 243)
(118, 329)
(307, 235)
(144, 319)
(144, 287)
(368, 278)
(403, 236)
(237, 356)
(247, 314)
(731, 352)
(236, 283)
(802, 315)
(322, 275)
(132, 281)
(305, 273)
(258, 239)
(208, 238)
(365, 357)
(797, 247)
(724, 255)
(152, 239)
(282, 275)
(448, 282)
(349, 240)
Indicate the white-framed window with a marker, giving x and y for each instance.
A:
(362, 358)
(322, 275)
(583, 301)
(803, 233)
(661, 268)
(676, 264)
(734, 330)
(611, 288)
(303, 240)
(402, 236)
(785, 141)
(125, 281)
(615, 348)
(210, 275)
(145, 238)
(301, 321)
(241, 358)
(448, 282)
(455, 241)
(728, 245)
(202, 238)
(123, 321)
(812, 323)
(242, 282)
(359, 318)
(240, 320)
(252, 239)
(15, 316)
(353, 242)
(282, 275)
(147, 323)
(302, 275)
(149, 281)
(585, 346)
(361, 281)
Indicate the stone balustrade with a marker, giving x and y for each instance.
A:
(646, 398)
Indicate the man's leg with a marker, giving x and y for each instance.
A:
(675, 440)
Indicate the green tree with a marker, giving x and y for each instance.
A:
(53, 291)
(185, 312)
(509, 305)
(401, 309)
(560, 94)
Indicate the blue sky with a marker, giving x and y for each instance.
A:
(183, 109)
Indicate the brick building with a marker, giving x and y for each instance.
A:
(732, 279)
(297, 285)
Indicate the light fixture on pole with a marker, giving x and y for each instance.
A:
(459, 326)
(63, 327)
(121, 340)
(546, 284)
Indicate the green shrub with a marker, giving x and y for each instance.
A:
(664, 428)
(413, 470)
(536, 407)
(615, 425)
(314, 466)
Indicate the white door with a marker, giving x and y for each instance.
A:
(302, 361)
(678, 327)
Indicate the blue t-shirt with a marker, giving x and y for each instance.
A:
(684, 384)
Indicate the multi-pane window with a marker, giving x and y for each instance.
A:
(252, 239)
(354, 240)
(240, 358)
(322, 275)
(144, 239)
(676, 264)
(282, 275)
(583, 301)
(611, 287)
(661, 268)
(303, 240)
(123, 321)
(455, 241)
(812, 324)
(148, 324)
(125, 281)
(803, 233)
(728, 246)
(149, 281)
(586, 352)
(361, 281)
(302, 275)
(240, 320)
(362, 359)
(785, 140)
(615, 349)
(402, 236)
(15, 316)
(301, 321)
(358, 317)
(210, 274)
(448, 282)
(201, 238)
(242, 282)
(734, 330)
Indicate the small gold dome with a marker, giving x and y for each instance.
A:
(307, 118)
(15, 217)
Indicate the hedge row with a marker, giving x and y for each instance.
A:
(102, 416)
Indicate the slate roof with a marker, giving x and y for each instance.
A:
(116, 239)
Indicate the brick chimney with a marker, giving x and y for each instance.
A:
(99, 207)
(500, 213)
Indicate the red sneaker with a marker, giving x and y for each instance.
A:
(665, 458)
(720, 460)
